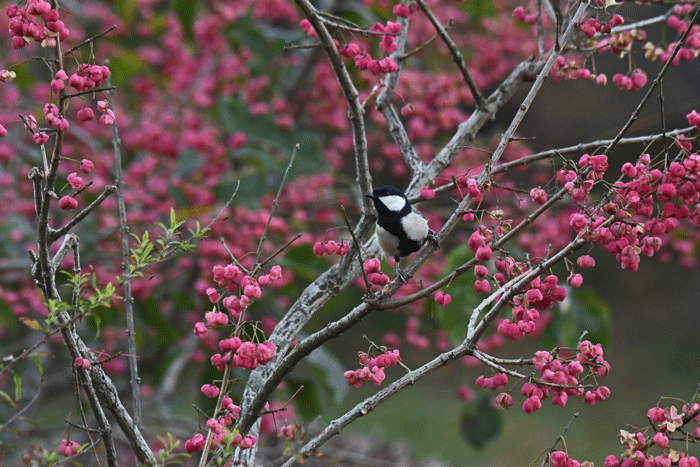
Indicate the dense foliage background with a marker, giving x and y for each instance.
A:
(210, 100)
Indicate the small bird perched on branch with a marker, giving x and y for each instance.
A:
(401, 230)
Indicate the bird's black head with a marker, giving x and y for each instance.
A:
(389, 200)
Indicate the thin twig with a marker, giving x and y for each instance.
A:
(456, 54)
(275, 203)
(126, 281)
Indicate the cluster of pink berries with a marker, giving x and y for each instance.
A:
(592, 25)
(373, 369)
(472, 187)
(637, 445)
(25, 28)
(68, 202)
(373, 268)
(247, 354)
(556, 371)
(364, 61)
(221, 434)
(634, 200)
(233, 279)
(69, 448)
(540, 295)
(331, 247)
(634, 82)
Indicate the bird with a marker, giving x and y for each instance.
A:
(401, 229)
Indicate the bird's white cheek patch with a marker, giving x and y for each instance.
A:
(393, 202)
(415, 226)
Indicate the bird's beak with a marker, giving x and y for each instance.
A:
(370, 196)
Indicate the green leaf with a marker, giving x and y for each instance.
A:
(306, 400)
(18, 385)
(7, 397)
(30, 323)
(329, 371)
(37, 359)
(480, 422)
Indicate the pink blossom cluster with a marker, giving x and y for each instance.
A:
(540, 295)
(246, 354)
(243, 290)
(635, 81)
(88, 77)
(562, 459)
(665, 422)
(559, 377)
(373, 369)
(24, 26)
(676, 190)
(221, 428)
(69, 448)
(68, 202)
(331, 247)
(373, 269)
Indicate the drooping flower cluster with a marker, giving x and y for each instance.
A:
(559, 377)
(666, 423)
(223, 433)
(25, 28)
(373, 369)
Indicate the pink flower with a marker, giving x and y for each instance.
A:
(76, 182)
(40, 138)
(85, 114)
(482, 286)
(216, 318)
(232, 343)
(539, 196)
(67, 203)
(504, 400)
(210, 391)
(585, 261)
(57, 85)
(427, 193)
(107, 117)
(442, 298)
(372, 265)
(200, 330)
(213, 294)
(69, 448)
(481, 271)
(694, 119)
(403, 11)
(483, 253)
(82, 362)
(661, 440)
(195, 444)
(86, 166)
(3, 131)
(575, 280)
(531, 404)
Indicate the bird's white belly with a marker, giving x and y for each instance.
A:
(389, 242)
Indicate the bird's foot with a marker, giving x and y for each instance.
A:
(399, 275)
